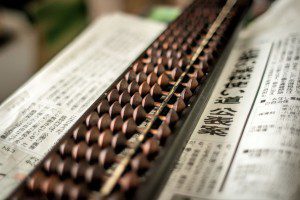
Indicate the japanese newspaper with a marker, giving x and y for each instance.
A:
(246, 144)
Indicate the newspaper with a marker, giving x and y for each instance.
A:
(35, 117)
(246, 144)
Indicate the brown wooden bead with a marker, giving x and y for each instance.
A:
(141, 77)
(95, 175)
(170, 53)
(192, 83)
(179, 105)
(127, 111)
(148, 101)
(92, 135)
(176, 72)
(173, 63)
(62, 189)
(130, 76)
(152, 79)
(159, 69)
(158, 53)
(129, 127)
(103, 107)
(104, 122)
(163, 80)
(144, 88)
(136, 100)
(162, 37)
(198, 73)
(116, 124)
(139, 114)
(64, 167)
(150, 147)
(140, 163)
(163, 61)
(186, 94)
(78, 151)
(180, 55)
(150, 51)
(113, 96)
(156, 44)
(172, 117)
(49, 184)
(129, 181)
(124, 98)
(107, 157)
(105, 138)
(163, 132)
(51, 163)
(65, 148)
(92, 153)
(35, 181)
(115, 109)
(78, 170)
(183, 62)
(133, 87)
(78, 192)
(166, 45)
(203, 66)
(148, 68)
(138, 67)
(79, 132)
(155, 90)
(92, 119)
(175, 46)
(118, 141)
(122, 85)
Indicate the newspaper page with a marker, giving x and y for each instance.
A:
(34, 118)
(246, 144)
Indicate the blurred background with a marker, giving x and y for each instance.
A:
(33, 31)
